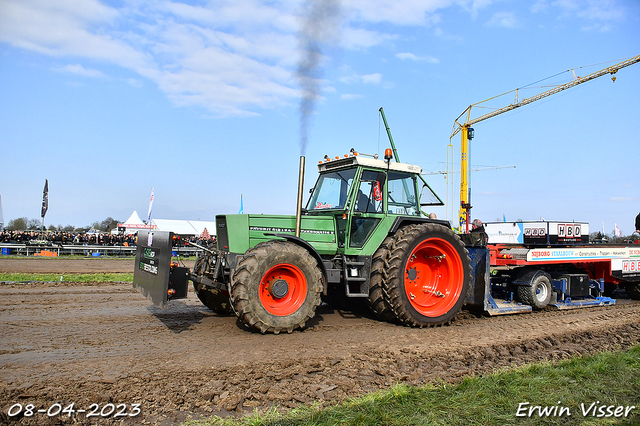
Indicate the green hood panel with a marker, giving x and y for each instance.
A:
(246, 231)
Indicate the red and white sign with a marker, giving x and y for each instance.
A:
(134, 226)
(630, 266)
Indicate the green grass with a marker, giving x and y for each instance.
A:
(613, 378)
(79, 278)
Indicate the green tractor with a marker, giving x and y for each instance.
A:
(362, 239)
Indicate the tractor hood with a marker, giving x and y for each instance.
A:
(239, 232)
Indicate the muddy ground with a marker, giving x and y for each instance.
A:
(104, 344)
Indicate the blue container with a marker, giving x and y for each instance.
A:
(95, 254)
(6, 250)
(174, 253)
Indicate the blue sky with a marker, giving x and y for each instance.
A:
(201, 100)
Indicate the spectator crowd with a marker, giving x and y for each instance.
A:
(60, 237)
(81, 238)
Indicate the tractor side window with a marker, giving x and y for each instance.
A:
(369, 197)
(331, 190)
(402, 194)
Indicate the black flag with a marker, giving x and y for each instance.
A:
(45, 198)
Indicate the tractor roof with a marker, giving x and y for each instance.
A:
(351, 160)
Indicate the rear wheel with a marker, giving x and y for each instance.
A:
(215, 299)
(428, 275)
(538, 294)
(276, 287)
(376, 300)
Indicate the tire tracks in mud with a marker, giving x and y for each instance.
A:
(104, 344)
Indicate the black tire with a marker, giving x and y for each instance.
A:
(276, 287)
(215, 299)
(431, 258)
(538, 294)
(633, 290)
(376, 301)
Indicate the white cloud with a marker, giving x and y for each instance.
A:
(593, 10)
(80, 70)
(197, 56)
(350, 96)
(602, 10)
(406, 12)
(539, 6)
(474, 6)
(358, 38)
(375, 78)
(231, 57)
(134, 82)
(413, 57)
(61, 29)
(601, 28)
(503, 19)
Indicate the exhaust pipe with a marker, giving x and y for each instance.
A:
(300, 187)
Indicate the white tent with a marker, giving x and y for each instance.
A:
(134, 219)
(133, 224)
(184, 227)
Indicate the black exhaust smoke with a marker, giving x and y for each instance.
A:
(321, 24)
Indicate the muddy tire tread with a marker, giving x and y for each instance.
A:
(246, 278)
(380, 262)
(393, 282)
(527, 294)
(214, 299)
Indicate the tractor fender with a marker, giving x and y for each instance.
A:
(305, 245)
(410, 220)
(527, 277)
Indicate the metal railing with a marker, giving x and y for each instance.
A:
(82, 250)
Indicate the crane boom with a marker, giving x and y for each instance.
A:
(467, 132)
(578, 80)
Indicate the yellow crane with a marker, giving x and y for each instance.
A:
(467, 133)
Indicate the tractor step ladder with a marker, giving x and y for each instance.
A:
(351, 278)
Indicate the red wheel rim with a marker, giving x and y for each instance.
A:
(433, 277)
(283, 289)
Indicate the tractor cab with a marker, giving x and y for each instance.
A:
(360, 192)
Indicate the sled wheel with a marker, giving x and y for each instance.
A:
(428, 275)
(276, 286)
(538, 294)
(633, 290)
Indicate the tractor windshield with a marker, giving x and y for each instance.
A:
(331, 190)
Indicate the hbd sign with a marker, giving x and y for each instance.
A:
(569, 230)
(630, 266)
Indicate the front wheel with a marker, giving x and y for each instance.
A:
(276, 286)
(215, 299)
(428, 276)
